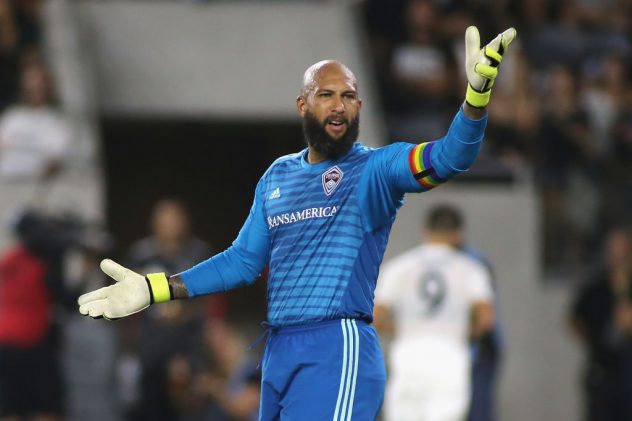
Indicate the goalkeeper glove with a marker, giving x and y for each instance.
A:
(130, 294)
(481, 64)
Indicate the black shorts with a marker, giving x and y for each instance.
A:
(30, 379)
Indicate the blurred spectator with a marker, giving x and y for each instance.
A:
(169, 337)
(34, 137)
(31, 289)
(606, 92)
(619, 187)
(489, 16)
(567, 168)
(601, 319)
(512, 134)
(487, 350)
(20, 34)
(433, 298)
(228, 380)
(89, 349)
(8, 54)
(421, 76)
(170, 247)
(551, 33)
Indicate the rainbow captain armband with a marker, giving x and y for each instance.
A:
(159, 289)
(421, 166)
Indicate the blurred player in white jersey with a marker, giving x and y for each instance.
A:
(432, 299)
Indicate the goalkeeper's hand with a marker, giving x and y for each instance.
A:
(481, 64)
(130, 294)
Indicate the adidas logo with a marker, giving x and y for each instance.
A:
(275, 194)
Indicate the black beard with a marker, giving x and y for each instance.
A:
(318, 139)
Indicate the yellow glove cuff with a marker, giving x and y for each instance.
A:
(159, 288)
(477, 99)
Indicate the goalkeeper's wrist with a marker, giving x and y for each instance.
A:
(160, 290)
(475, 98)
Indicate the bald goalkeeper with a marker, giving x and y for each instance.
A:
(320, 220)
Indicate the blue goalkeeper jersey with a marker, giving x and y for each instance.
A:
(322, 228)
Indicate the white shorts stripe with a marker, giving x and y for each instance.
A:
(345, 399)
(355, 367)
(344, 369)
(349, 390)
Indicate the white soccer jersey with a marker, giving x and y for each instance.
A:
(430, 291)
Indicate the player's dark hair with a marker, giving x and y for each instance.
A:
(444, 218)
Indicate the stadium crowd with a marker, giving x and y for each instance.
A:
(562, 111)
(562, 117)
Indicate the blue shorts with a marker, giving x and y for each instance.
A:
(331, 371)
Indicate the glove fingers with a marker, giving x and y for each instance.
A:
(472, 41)
(94, 308)
(99, 294)
(113, 270)
(496, 44)
(508, 36)
(487, 71)
(502, 41)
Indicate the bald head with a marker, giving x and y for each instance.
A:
(318, 71)
(330, 107)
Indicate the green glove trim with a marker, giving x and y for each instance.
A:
(159, 289)
(477, 99)
(494, 56)
(488, 72)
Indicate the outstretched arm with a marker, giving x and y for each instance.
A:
(239, 265)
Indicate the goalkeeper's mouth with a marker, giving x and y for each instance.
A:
(336, 125)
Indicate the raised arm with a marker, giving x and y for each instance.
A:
(403, 167)
(435, 162)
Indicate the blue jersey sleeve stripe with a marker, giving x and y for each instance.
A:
(318, 267)
(317, 295)
(344, 256)
(343, 261)
(302, 287)
(342, 221)
(304, 306)
(304, 318)
(308, 276)
(324, 244)
(307, 304)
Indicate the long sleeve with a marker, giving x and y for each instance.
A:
(240, 264)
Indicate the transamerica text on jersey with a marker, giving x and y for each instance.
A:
(304, 214)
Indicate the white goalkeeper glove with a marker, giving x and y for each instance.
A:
(130, 294)
(481, 64)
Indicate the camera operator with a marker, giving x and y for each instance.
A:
(32, 289)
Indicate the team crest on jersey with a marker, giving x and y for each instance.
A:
(331, 179)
